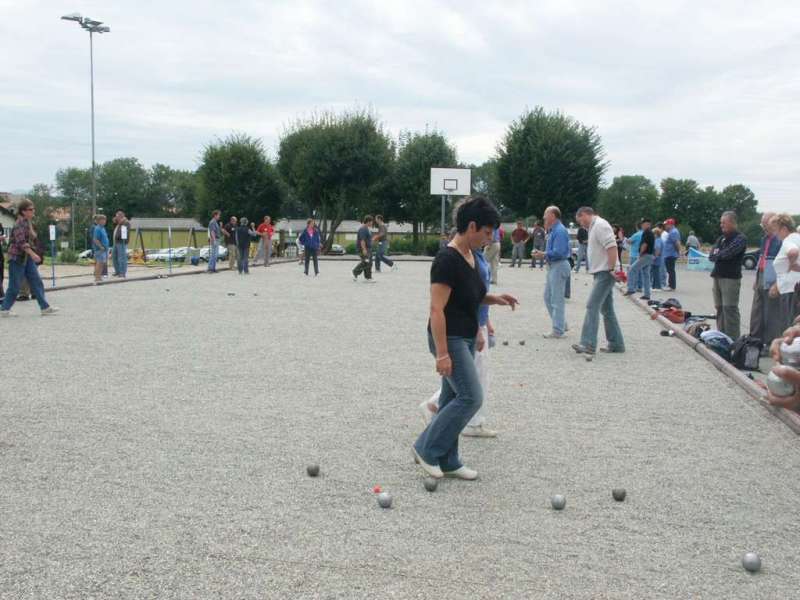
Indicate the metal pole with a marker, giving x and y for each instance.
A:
(72, 228)
(91, 78)
(444, 200)
(169, 256)
(53, 259)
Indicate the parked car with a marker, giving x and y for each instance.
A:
(205, 253)
(750, 259)
(336, 250)
(178, 254)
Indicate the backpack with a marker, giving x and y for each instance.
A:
(696, 327)
(718, 342)
(745, 353)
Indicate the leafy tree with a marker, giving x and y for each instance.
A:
(42, 197)
(418, 153)
(741, 199)
(336, 166)
(628, 199)
(184, 192)
(549, 158)
(236, 177)
(74, 186)
(123, 184)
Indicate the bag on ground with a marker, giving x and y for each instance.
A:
(745, 353)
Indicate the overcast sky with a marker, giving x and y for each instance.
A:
(704, 90)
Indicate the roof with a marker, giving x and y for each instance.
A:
(347, 226)
(164, 224)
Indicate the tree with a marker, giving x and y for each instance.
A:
(236, 177)
(44, 201)
(123, 184)
(74, 185)
(740, 199)
(628, 199)
(336, 166)
(548, 158)
(418, 153)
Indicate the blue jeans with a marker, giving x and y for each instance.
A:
(244, 260)
(655, 274)
(213, 255)
(640, 274)
(582, 257)
(539, 260)
(460, 399)
(120, 256)
(601, 301)
(558, 274)
(380, 255)
(18, 271)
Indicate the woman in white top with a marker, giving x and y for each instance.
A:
(787, 266)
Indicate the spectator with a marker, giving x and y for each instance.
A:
(557, 253)
(692, 242)
(2, 261)
(633, 255)
(640, 270)
(658, 260)
(243, 235)
(364, 246)
(671, 252)
(787, 267)
(603, 254)
(22, 261)
(539, 236)
(265, 232)
(99, 247)
(765, 315)
(583, 243)
(229, 232)
(619, 236)
(727, 255)
(214, 233)
(311, 241)
(119, 252)
(492, 254)
(519, 239)
(382, 239)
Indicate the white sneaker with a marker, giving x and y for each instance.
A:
(395, 267)
(479, 431)
(553, 336)
(464, 473)
(431, 470)
(370, 281)
(50, 310)
(427, 413)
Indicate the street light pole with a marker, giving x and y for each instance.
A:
(92, 27)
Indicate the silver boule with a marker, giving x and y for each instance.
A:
(618, 494)
(558, 502)
(751, 562)
(790, 353)
(779, 386)
(385, 500)
(430, 484)
(312, 470)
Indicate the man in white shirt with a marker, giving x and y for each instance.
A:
(602, 257)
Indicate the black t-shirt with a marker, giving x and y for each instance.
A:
(364, 235)
(467, 291)
(583, 236)
(231, 229)
(242, 237)
(649, 239)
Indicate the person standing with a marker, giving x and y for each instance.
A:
(265, 232)
(99, 247)
(243, 235)
(214, 234)
(640, 270)
(787, 267)
(311, 240)
(2, 261)
(493, 254)
(364, 247)
(557, 253)
(727, 255)
(457, 292)
(229, 233)
(765, 314)
(22, 261)
(658, 259)
(619, 235)
(671, 252)
(382, 239)
(539, 236)
(119, 252)
(692, 242)
(519, 239)
(603, 256)
(633, 254)
(583, 241)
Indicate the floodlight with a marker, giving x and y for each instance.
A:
(72, 17)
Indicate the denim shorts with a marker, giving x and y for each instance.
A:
(102, 257)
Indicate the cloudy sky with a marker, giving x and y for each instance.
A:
(705, 89)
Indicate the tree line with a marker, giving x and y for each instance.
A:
(338, 166)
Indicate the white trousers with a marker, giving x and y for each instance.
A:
(482, 365)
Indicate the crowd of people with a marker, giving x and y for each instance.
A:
(238, 235)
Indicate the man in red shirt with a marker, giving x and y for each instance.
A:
(265, 231)
(519, 238)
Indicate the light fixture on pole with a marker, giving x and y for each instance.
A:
(92, 27)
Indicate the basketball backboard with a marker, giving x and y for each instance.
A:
(451, 182)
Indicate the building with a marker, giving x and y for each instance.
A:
(288, 229)
(155, 233)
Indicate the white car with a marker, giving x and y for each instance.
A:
(205, 253)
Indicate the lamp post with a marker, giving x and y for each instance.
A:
(92, 27)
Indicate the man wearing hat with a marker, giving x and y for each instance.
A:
(671, 252)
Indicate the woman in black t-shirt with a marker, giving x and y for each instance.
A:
(457, 291)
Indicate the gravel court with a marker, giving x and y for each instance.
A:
(159, 450)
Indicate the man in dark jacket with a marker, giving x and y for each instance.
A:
(727, 258)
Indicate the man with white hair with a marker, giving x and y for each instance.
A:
(727, 256)
(602, 256)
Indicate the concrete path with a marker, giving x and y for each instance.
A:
(154, 439)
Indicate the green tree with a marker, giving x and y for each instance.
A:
(42, 197)
(236, 177)
(123, 184)
(740, 199)
(548, 158)
(628, 199)
(336, 166)
(418, 153)
(74, 186)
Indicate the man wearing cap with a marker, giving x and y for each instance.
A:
(671, 252)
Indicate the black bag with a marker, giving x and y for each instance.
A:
(745, 353)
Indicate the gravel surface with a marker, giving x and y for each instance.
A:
(154, 439)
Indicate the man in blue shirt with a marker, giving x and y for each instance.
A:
(557, 253)
(99, 247)
(214, 233)
(671, 252)
(633, 255)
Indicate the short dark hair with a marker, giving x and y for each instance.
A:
(478, 210)
(215, 212)
(367, 219)
(585, 210)
(645, 220)
(379, 217)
